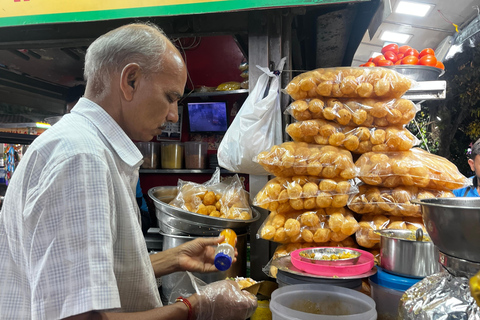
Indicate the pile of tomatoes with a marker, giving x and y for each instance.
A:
(392, 54)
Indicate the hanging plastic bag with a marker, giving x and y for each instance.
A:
(257, 126)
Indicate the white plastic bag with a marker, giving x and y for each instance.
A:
(256, 128)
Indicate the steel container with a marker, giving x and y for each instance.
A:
(418, 72)
(173, 220)
(453, 225)
(401, 254)
(170, 281)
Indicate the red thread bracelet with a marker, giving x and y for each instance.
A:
(189, 306)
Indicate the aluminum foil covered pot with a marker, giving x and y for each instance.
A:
(439, 296)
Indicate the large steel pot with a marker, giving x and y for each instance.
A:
(238, 269)
(402, 254)
(453, 225)
(174, 220)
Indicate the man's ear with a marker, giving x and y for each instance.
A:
(472, 164)
(129, 79)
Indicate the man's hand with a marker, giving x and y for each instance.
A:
(195, 256)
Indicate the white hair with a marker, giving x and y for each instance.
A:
(141, 43)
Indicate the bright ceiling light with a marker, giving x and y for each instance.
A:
(395, 37)
(414, 8)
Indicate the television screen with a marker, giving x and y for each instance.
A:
(207, 116)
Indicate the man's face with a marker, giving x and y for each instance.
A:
(156, 99)
(475, 165)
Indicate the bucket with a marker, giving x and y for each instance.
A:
(321, 302)
(286, 279)
(387, 290)
(238, 269)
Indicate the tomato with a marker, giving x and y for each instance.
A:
(410, 60)
(440, 65)
(400, 56)
(390, 47)
(370, 60)
(428, 60)
(378, 58)
(369, 64)
(411, 52)
(426, 51)
(390, 55)
(399, 62)
(383, 63)
(402, 49)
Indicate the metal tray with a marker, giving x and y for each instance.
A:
(174, 220)
(323, 256)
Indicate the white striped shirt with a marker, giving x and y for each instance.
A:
(70, 234)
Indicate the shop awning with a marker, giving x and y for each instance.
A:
(30, 12)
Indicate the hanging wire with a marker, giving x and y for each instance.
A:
(445, 18)
(188, 73)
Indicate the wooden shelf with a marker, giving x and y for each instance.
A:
(216, 93)
(16, 138)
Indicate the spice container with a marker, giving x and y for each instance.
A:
(150, 151)
(196, 155)
(172, 155)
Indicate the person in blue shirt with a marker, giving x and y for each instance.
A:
(142, 204)
(474, 162)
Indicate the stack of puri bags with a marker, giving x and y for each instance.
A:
(391, 180)
(315, 173)
(361, 110)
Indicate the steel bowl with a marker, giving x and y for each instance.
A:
(323, 256)
(402, 254)
(418, 72)
(453, 225)
(173, 220)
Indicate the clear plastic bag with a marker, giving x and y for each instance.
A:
(416, 167)
(219, 300)
(355, 112)
(366, 236)
(394, 201)
(349, 82)
(221, 199)
(304, 192)
(320, 226)
(257, 126)
(355, 139)
(299, 158)
(228, 86)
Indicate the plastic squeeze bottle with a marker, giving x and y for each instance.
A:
(226, 250)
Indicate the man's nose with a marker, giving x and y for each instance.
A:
(172, 115)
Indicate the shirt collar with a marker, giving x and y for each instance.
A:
(109, 128)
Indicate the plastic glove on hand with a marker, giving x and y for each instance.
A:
(224, 300)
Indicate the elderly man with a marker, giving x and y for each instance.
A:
(71, 244)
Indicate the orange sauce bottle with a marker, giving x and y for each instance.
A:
(225, 252)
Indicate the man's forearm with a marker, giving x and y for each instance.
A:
(165, 262)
